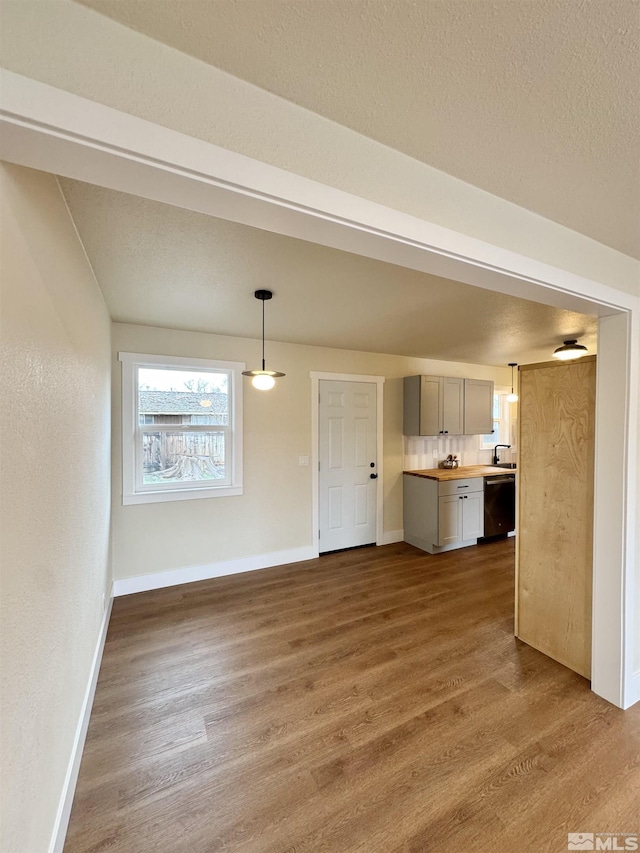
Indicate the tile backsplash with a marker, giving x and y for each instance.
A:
(419, 452)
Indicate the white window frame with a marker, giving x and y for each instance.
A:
(133, 492)
(504, 420)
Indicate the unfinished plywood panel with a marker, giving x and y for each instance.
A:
(555, 506)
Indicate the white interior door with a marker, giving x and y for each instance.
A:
(348, 465)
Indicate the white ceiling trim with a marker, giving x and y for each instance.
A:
(52, 130)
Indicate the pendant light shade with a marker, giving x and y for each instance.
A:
(512, 397)
(570, 349)
(263, 379)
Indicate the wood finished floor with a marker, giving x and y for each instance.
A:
(372, 700)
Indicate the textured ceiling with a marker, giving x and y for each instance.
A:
(164, 266)
(535, 102)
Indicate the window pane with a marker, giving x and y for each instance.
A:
(493, 438)
(182, 457)
(207, 420)
(167, 396)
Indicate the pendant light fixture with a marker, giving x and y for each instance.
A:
(571, 349)
(263, 379)
(512, 397)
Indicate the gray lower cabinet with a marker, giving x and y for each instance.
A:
(441, 516)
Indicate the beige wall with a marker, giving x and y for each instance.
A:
(55, 498)
(274, 513)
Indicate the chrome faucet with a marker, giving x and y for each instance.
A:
(495, 452)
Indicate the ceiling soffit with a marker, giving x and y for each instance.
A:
(536, 103)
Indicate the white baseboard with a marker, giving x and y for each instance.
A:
(143, 583)
(69, 788)
(390, 537)
(632, 693)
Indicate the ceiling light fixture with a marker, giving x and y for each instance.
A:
(263, 379)
(512, 397)
(571, 349)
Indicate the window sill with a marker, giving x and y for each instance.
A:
(180, 495)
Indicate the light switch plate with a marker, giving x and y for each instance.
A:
(303, 460)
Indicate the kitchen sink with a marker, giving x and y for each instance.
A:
(511, 465)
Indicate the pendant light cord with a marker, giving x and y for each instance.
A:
(263, 379)
(263, 361)
(512, 397)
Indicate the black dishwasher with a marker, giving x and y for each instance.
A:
(499, 504)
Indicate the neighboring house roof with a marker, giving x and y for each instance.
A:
(182, 403)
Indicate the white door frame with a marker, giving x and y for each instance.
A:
(315, 451)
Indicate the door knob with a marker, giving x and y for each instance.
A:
(373, 476)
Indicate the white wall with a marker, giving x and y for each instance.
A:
(55, 373)
(274, 513)
(635, 623)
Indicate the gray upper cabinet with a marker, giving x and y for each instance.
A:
(478, 406)
(433, 405)
(447, 405)
(452, 405)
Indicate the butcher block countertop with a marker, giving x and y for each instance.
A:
(443, 474)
